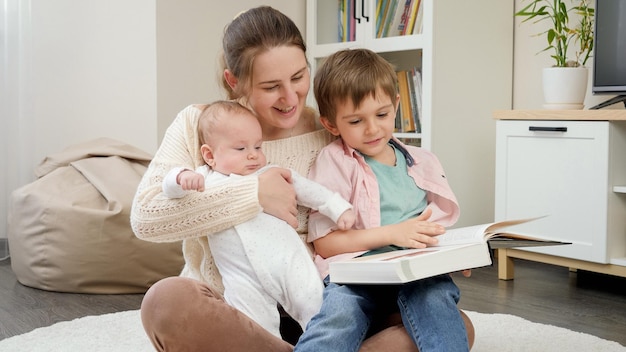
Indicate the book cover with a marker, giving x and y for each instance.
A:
(384, 16)
(458, 249)
(414, 105)
(404, 18)
(415, 5)
(405, 103)
(417, 27)
(417, 81)
(400, 18)
(393, 6)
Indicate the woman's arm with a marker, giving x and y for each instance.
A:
(156, 218)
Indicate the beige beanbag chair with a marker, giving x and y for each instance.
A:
(69, 230)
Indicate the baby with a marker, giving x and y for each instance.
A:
(262, 261)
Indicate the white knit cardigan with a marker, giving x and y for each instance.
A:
(156, 218)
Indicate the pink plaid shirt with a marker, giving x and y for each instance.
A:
(343, 170)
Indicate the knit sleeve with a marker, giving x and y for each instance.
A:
(157, 218)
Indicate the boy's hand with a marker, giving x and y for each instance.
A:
(190, 180)
(346, 220)
(417, 232)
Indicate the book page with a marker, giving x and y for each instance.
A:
(469, 234)
(495, 229)
(390, 255)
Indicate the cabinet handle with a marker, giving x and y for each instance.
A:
(358, 19)
(547, 129)
(367, 19)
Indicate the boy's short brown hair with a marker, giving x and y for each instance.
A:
(352, 74)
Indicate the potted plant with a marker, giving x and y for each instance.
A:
(565, 83)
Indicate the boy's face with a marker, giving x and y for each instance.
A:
(369, 128)
(236, 146)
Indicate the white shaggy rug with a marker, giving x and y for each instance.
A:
(122, 332)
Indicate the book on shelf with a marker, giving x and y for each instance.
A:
(416, 5)
(416, 21)
(406, 113)
(342, 22)
(458, 249)
(380, 9)
(413, 94)
(389, 18)
(381, 17)
(397, 17)
(417, 83)
(400, 18)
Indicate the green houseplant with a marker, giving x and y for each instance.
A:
(561, 35)
(570, 31)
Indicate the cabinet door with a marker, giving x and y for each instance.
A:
(338, 24)
(558, 169)
(337, 21)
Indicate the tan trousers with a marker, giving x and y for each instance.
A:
(185, 315)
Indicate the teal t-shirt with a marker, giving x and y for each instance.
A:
(400, 197)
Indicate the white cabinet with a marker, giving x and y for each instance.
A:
(571, 171)
(464, 53)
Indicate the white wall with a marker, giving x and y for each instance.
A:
(73, 71)
(86, 69)
(189, 44)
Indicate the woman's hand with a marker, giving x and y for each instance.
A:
(277, 196)
(417, 232)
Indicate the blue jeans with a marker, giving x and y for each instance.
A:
(428, 309)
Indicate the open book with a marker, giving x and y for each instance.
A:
(458, 249)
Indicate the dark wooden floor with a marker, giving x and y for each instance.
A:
(585, 302)
(23, 309)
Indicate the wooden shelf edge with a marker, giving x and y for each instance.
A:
(617, 268)
(407, 135)
(565, 115)
(619, 189)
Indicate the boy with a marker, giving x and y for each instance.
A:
(263, 261)
(401, 199)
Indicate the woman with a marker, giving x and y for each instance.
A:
(266, 70)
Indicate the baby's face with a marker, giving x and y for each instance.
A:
(237, 148)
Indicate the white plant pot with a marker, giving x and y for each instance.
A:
(564, 87)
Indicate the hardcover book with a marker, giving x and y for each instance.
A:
(458, 249)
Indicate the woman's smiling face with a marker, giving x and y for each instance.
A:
(280, 84)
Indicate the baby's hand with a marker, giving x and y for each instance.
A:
(346, 220)
(190, 180)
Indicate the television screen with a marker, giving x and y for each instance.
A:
(609, 57)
